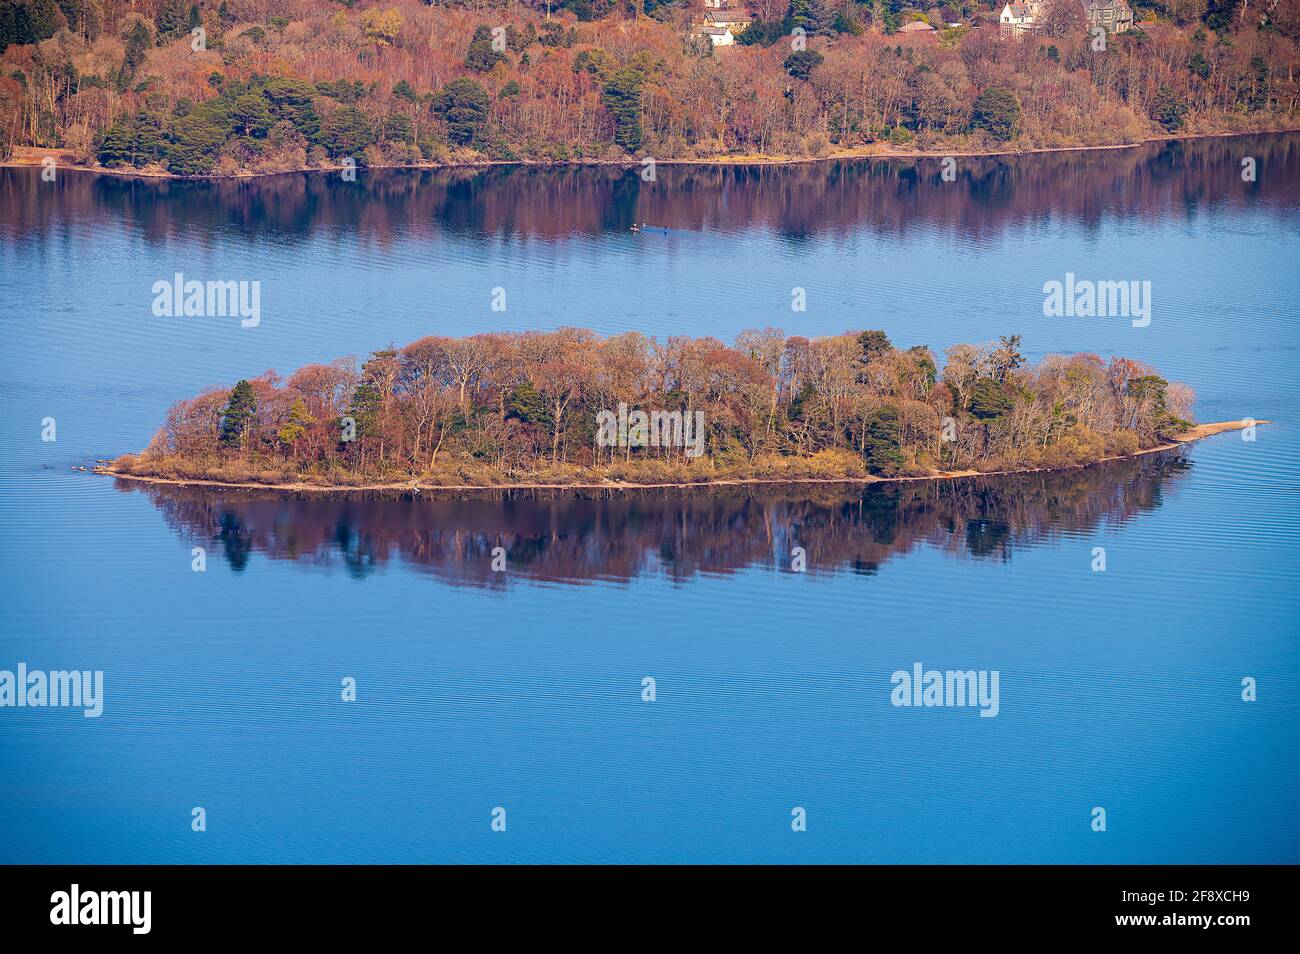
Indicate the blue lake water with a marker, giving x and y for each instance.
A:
(1118, 689)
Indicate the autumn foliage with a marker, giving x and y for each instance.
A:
(291, 84)
(496, 409)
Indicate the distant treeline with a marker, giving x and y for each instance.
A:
(525, 407)
(200, 87)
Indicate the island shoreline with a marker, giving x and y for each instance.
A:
(1197, 433)
(33, 160)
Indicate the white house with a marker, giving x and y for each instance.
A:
(1017, 19)
(1027, 16)
(718, 36)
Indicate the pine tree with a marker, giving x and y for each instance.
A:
(45, 19)
(1167, 108)
(8, 25)
(137, 41)
(171, 19)
(817, 17)
(118, 144)
(481, 56)
(238, 415)
(196, 139)
(874, 344)
(527, 404)
(252, 115)
(1260, 93)
(622, 97)
(998, 111)
(346, 132)
(137, 141)
(463, 105)
(882, 444)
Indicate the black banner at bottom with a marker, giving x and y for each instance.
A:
(207, 904)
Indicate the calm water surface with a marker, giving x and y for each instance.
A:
(1118, 689)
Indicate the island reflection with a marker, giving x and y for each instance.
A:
(678, 535)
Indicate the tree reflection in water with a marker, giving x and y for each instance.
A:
(585, 536)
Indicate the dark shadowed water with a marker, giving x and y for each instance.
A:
(523, 689)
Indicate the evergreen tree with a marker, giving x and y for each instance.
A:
(251, 115)
(136, 141)
(481, 56)
(882, 447)
(45, 19)
(148, 138)
(527, 404)
(463, 105)
(83, 16)
(346, 132)
(137, 41)
(622, 97)
(238, 415)
(801, 63)
(989, 400)
(817, 17)
(367, 402)
(397, 128)
(291, 99)
(874, 344)
(1167, 109)
(171, 20)
(8, 25)
(996, 110)
(196, 139)
(118, 145)
(1260, 92)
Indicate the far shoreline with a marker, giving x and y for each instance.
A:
(1197, 433)
(32, 158)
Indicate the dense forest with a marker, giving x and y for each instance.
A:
(228, 87)
(496, 409)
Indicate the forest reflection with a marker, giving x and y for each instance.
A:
(576, 537)
(1154, 181)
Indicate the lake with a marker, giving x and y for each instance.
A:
(771, 620)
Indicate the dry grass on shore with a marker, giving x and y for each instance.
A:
(828, 466)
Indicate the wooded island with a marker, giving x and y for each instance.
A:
(510, 409)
